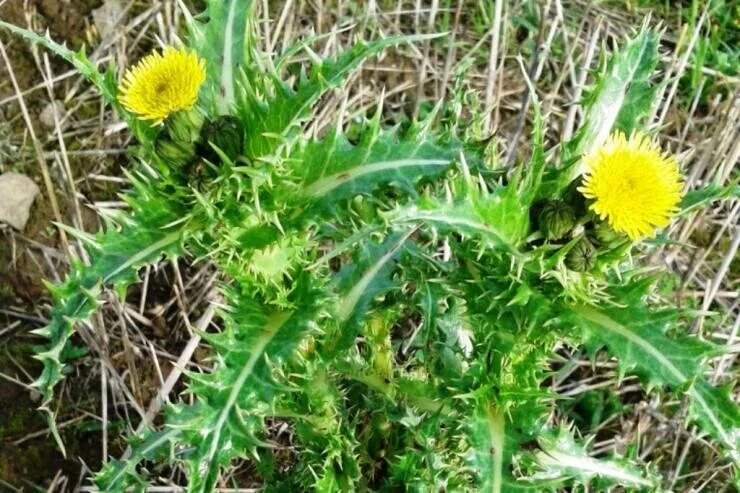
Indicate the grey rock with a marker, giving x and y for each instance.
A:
(17, 193)
(47, 115)
(107, 16)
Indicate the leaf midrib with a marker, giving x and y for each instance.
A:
(324, 185)
(608, 323)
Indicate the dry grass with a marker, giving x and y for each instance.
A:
(137, 350)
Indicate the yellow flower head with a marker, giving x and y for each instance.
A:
(162, 83)
(633, 186)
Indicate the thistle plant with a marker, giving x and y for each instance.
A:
(329, 246)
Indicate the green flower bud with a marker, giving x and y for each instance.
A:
(226, 133)
(556, 219)
(363, 208)
(174, 153)
(199, 173)
(605, 234)
(582, 257)
(185, 126)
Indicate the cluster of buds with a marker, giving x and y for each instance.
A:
(557, 220)
(188, 137)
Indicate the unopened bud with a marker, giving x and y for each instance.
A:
(227, 134)
(605, 234)
(582, 257)
(185, 126)
(362, 206)
(556, 219)
(174, 153)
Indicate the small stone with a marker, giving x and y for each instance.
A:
(17, 193)
(107, 17)
(47, 115)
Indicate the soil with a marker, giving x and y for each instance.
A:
(67, 21)
(29, 458)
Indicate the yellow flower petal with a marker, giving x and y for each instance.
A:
(633, 186)
(162, 84)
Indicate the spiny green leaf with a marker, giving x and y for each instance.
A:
(104, 82)
(222, 43)
(495, 439)
(529, 180)
(332, 169)
(205, 462)
(271, 110)
(637, 339)
(499, 218)
(622, 95)
(620, 99)
(115, 261)
(560, 456)
(695, 199)
(118, 474)
(79, 60)
(227, 419)
(489, 438)
(360, 282)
